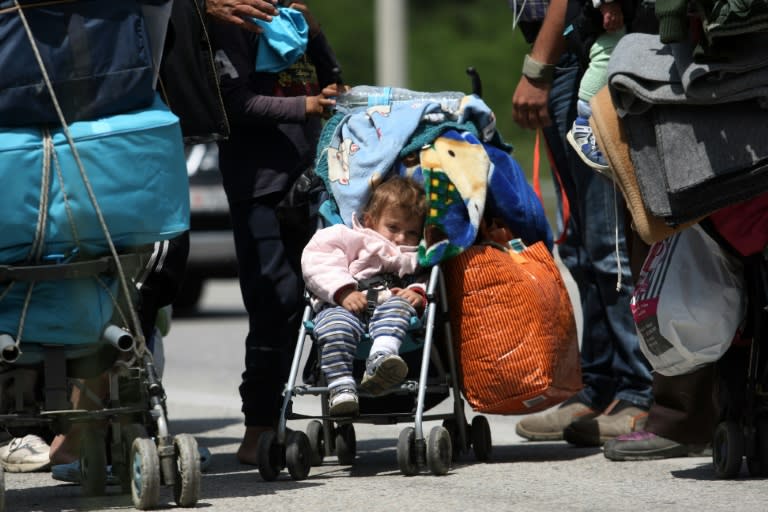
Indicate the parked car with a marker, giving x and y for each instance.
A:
(212, 248)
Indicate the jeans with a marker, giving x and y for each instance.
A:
(612, 365)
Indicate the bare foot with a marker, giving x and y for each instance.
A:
(248, 452)
(65, 448)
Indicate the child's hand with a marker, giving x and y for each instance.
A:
(414, 299)
(314, 26)
(353, 300)
(321, 104)
(613, 18)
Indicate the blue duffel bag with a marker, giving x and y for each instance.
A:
(135, 165)
(97, 54)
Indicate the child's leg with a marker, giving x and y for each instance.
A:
(596, 75)
(595, 78)
(388, 326)
(338, 331)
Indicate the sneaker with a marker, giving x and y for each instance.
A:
(583, 141)
(621, 417)
(342, 401)
(25, 454)
(642, 445)
(549, 425)
(382, 371)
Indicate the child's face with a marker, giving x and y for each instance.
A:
(396, 226)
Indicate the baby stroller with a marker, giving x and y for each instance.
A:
(80, 213)
(454, 166)
(433, 372)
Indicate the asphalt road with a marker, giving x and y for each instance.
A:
(204, 358)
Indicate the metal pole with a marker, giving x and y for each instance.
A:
(391, 43)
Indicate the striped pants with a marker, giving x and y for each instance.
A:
(338, 331)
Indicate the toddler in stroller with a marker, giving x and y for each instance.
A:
(367, 276)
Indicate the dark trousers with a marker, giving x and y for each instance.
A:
(161, 280)
(269, 255)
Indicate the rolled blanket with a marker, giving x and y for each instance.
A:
(612, 140)
(644, 72)
(709, 157)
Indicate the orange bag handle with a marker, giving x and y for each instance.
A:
(537, 182)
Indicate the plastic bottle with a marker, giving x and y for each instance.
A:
(369, 96)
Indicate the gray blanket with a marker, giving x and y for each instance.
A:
(691, 161)
(643, 72)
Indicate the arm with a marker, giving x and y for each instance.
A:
(325, 264)
(529, 103)
(233, 11)
(247, 96)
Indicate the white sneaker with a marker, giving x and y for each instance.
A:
(342, 401)
(25, 454)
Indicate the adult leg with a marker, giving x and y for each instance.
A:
(272, 294)
(550, 424)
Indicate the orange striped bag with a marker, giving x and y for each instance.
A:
(513, 329)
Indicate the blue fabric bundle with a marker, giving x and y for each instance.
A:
(283, 40)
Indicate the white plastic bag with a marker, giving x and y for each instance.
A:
(688, 302)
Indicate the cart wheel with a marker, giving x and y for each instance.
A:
(727, 449)
(270, 455)
(93, 462)
(128, 433)
(145, 474)
(457, 447)
(406, 452)
(346, 444)
(298, 455)
(439, 451)
(481, 438)
(186, 484)
(316, 442)
(757, 465)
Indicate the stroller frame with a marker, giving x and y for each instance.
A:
(327, 434)
(743, 429)
(36, 395)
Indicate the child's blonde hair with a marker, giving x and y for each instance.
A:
(397, 192)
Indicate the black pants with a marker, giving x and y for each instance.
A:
(161, 280)
(268, 250)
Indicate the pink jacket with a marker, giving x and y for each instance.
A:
(339, 256)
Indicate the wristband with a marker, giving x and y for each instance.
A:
(537, 71)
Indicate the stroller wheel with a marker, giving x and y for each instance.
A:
(145, 474)
(346, 444)
(457, 447)
(186, 485)
(439, 451)
(727, 449)
(481, 438)
(406, 452)
(316, 442)
(128, 433)
(270, 456)
(93, 462)
(757, 463)
(298, 455)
